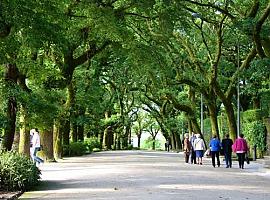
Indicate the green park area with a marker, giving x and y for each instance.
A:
(96, 75)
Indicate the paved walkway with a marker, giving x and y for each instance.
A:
(141, 175)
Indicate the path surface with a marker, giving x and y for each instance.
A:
(141, 175)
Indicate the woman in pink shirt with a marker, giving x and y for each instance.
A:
(240, 147)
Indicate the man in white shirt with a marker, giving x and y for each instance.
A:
(35, 146)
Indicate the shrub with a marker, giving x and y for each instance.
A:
(74, 149)
(148, 144)
(92, 143)
(253, 115)
(256, 135)
(17, 172)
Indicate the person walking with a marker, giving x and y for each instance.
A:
(240, 147)
(215, 149)
(35, 146)
(227, 148)
(192, 153)
(168, 145)
(199, 147)
(186, 147)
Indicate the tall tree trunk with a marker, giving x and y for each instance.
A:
(213, 118)
(68, 107)
(139, 141)
(195, 126)
(267, 124)
(46, 138)
(24, 144)
(11, 76)
(178, 141)
(154, 144)
(65, 129)
(172, 141)
(107, 138)
(190, 129)
(115, 141)
(81, 132)
(126, 137)
(231, 120)
(81, 113)
(106, 132)
(74, 132)
(57, 141)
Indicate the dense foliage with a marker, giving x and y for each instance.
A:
(255, 135)
(17, 172)
(82, 147)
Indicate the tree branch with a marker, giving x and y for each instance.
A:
(254, 9)
(244, 65)
(257, 31)
(93, 50)
(211, 6)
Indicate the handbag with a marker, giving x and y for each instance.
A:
(247, 157)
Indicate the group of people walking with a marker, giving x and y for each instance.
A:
(194, 148)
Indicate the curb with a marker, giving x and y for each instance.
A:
(10, 195)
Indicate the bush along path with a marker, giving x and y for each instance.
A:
(17, 174)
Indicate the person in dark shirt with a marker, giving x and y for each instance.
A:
(192, 154)
(227, 148)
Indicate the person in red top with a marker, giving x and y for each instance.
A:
(240, 147)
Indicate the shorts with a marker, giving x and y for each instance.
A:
(199, 153)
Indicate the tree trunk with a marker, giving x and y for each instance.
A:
(172, 141)
(68, 107)
(231, 120)
(178, 142)
(24, 144)
(213, 118)
(11, 76)
(190, 130)
(154, 144)
(139, 141)
(74, 132)
(105, 138)
(57, 141)
(115, 147)
(267, 124)
(81, 132)
(65, 129)
(81, 125)
(195, 126)
(46, 138)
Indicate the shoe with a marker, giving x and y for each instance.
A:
(200, 163)
(227, 166)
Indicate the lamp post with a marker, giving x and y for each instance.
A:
(221, 118)
(202, 127)
(238, 92)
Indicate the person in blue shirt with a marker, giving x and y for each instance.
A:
(215, 149)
